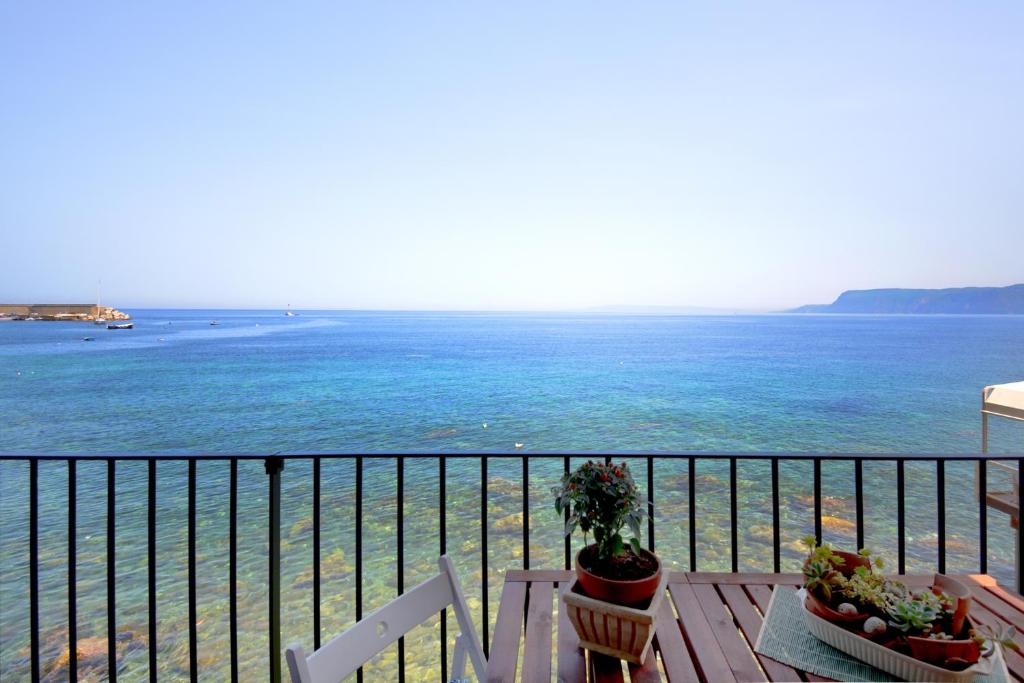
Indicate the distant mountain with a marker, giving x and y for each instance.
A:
(990, 300)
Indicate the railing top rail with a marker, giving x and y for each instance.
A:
(704, 455)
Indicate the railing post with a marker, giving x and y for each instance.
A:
(111, 572)
(1020, 527)
(33, 561)
(274, 466)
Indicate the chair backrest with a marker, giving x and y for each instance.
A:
(345, 653)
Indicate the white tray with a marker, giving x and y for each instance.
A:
(890, 661)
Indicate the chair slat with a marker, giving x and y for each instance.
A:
(350, 650)
(537, 648)
(505, 644)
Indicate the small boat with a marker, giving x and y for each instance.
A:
(518, 445)
(288, 313)
(100, 321)
(121, 326)
(88, 338)
(214, 322)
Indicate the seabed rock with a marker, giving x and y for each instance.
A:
(92, 656)
(333, 567)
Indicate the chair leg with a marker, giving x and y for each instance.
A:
(459, 659)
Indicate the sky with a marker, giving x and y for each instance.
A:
(507, 156)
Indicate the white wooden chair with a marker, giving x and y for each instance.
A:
(347, 652)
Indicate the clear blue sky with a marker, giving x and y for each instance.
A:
(507, 155)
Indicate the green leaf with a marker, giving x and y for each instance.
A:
(635, 542)
(617, 546)
(634, 525)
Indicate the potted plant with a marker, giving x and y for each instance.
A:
(619, 585)
(840, 585)
(602, 500)
(931, 626)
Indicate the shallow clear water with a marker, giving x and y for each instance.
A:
(260, 382)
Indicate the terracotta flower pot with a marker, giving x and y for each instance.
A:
(618, 592)
(944, 652)
(821, 609)
(850, 562)
(960, 593)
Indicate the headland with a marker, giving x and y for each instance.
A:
(61, 312)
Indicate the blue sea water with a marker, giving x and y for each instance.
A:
(261, 382)
(324, 381)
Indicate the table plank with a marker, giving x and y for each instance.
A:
(761, 595)
(529, 575)
(646, 672)
(1007, 597)
(537, 648)
(504, 654)
(606, 669)
(1014, 661)
(719, 614)
(572, 664)
(750, 624)
(995, 604)
(743, 578)
(737, 653)
(675, 657)
(712, 661)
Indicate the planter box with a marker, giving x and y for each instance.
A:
(615, 630)
(899, 665)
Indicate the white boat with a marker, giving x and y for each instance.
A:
(289, 313)
(214, 322)
(122, 326)
(100, 320)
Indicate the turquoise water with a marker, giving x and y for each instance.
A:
(376, 382)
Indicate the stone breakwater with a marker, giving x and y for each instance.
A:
(85, 312)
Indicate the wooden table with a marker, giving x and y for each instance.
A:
(705, 631)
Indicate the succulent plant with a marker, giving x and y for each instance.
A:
(819, 577)
(912, 616)
(988, 637)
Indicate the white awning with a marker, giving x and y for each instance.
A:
(1006, 400)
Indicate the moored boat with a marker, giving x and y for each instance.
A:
(121, 326)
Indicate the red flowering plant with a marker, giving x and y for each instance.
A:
(603, 499)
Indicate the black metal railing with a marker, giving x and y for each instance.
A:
(276, 464)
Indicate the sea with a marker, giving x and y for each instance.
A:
(460, 384)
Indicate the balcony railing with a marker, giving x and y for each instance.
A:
(649, 469)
